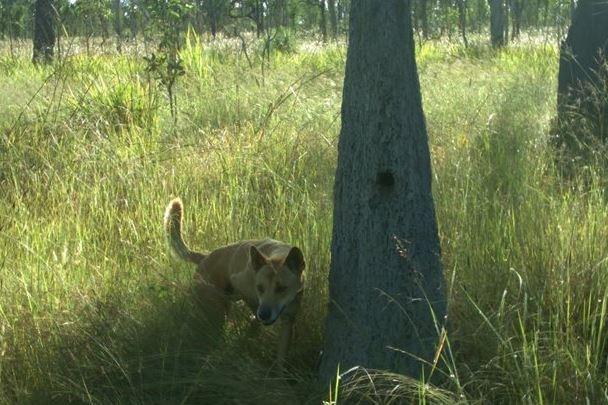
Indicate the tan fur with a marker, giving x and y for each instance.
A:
(266, 274)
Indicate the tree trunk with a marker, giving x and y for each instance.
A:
(333, 19)
(44, 31)
(506, 19)
(323, 20)
(11, 40)
(213, 8)
(480, 12)
(446, 22)
(582, 92)
(213, 26)
(423, 17)
(118, 25)
(258, 14)
(385, 271)
(497, 23)
(282, 13)
(516, 16)
(343, 8)
(462, 20)
(134, 16)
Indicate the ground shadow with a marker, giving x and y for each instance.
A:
(169, 352)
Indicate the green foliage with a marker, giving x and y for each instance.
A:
(166, 66)
(168, 19)
(91, 11)
(283, 41)
(119, 106)
(13, 19)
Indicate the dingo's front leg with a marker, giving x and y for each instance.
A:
(284, 340)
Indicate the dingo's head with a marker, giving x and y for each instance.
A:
(277, 282)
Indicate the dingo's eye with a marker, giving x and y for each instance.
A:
(280, 289)
(260, 288)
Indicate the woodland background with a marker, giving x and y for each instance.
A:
(235, 107)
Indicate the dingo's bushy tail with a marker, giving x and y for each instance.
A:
(173, 232)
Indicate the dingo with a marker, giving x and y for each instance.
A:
(265, 274)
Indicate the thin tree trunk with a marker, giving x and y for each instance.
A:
(44, 31)
(343, 8)
(423, 18)
(333, 19)
(118, 25)
(481, 9)
(446, 25)
(323, 20)
(385, 273)
(517, 14)
(213, 15)
(506, 19)
(282, 13)
(497, 23)
(462, 20)
(11, 40)
(259, 18)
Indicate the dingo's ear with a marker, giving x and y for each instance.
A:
(257, 258)
(295, 260)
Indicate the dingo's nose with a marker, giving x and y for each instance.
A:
(264, 314)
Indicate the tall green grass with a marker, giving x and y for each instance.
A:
(93, 309)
